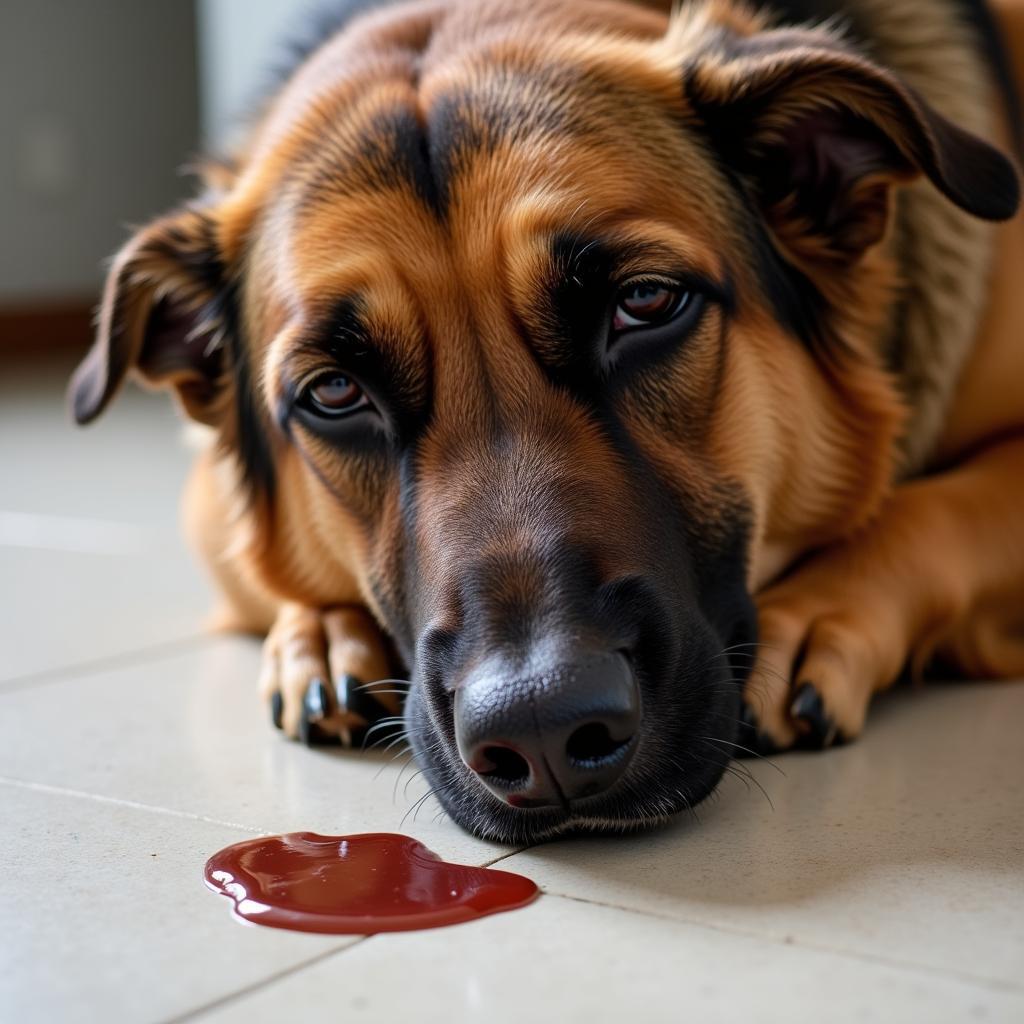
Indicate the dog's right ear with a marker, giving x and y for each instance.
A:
(163, 316)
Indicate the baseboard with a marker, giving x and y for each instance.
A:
(38, 329)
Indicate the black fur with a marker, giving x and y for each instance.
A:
(391, 153)
(253, 450)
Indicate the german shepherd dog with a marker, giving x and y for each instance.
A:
(638, 385)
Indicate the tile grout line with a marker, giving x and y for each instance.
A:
(124, 659)
(116, 801)
(907, 965)
(257, 986)
(268, 982)
(42, 787)
(504, 856)
(265, 983)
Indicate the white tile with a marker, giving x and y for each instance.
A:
(91, 559)
(907, 845)
(58, 609)
(577, 963)
(126, 467)
(188, 732)
(106, 917)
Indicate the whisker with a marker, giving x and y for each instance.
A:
(746, 750)
(732, 771)
(384, 723)
(401, 772)
(409, 781)
(392, 760)
(406, 683)
(376, 744)
(387, 738)
(387, 720)
(739, 766)
(415, 807)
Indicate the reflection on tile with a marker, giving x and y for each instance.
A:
(576, 963)
(106, 917)
(907, 845)
(188, 732)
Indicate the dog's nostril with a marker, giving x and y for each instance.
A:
(592, 742)
(504, 764)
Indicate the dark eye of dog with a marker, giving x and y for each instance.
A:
(333, 395)
(647, 303)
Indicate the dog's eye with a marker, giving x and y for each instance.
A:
(333, 395)
(648, 303)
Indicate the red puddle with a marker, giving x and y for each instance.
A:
(357, 885)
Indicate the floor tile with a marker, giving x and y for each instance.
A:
(106, 917)
(576, 963)
(91, 556)
(908, 844)
(59, 609)
(127, 467)
(188, 732)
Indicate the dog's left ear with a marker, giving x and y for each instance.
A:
(821, 135)
(162, 316)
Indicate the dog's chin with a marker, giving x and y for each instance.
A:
(472, 807)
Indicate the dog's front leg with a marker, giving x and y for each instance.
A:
(325, 674)
(940, 571)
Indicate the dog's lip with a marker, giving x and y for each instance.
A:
(546, 821)
(525, 803)
(570, 825)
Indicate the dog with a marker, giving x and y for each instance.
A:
(637, 386)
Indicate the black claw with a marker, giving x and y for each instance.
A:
(314, 707)
(346, 690)
(751, 737)
(818, 730)
(277, 710)
(313, 736)
(317, 702)
(353, 696)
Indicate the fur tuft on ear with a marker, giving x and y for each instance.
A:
(162, 315)
(821, 134)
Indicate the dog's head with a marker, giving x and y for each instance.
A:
(549, 336)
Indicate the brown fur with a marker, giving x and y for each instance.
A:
(862, 559)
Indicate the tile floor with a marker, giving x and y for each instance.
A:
(882, 882)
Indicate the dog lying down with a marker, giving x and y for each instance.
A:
(638, 387)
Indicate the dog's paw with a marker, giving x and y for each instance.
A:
(324, 677)
(831, 635)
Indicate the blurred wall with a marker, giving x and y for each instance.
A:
(98, 110)
(240, 41)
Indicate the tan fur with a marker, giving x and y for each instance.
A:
(936, 324)
(892, 570)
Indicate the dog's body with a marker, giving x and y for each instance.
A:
(807, 383)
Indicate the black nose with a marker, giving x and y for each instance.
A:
(553, 736)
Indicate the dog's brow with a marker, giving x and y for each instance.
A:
(391, 146)
(388, 152)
